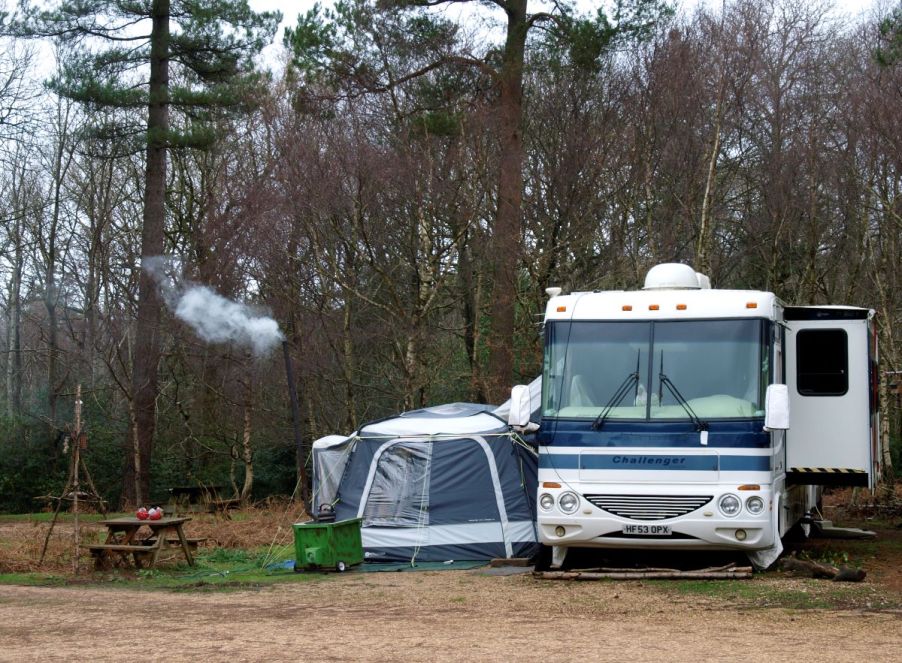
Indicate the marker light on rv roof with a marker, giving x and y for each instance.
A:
(681, 307)
(751, 304)
(653, 307)
(627, 307)
(561, 309)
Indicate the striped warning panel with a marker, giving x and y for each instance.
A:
(828, 470)
(827, 476)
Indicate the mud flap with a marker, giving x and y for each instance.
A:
(558, 555)
(764, 559)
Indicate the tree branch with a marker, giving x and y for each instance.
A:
(432, 66)
(541, 17)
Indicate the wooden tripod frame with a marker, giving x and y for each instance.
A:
(72, 489)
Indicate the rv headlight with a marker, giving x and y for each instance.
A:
(729, 505)
(568, 502)
(546, 501)
(754, 505)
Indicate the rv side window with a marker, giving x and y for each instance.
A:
(822, 362)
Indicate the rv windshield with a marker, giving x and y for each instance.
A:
(720, 368)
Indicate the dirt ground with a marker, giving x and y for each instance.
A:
(435, 616)
(455, 615)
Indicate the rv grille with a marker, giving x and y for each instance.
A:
(649, 507)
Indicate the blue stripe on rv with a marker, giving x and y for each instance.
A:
(706, 463)
(733, 434)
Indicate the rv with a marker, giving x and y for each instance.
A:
(685, 417)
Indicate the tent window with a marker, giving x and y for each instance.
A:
(399, 495)
(822, 362)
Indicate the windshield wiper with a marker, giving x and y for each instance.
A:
(624, 388)
(665, 381)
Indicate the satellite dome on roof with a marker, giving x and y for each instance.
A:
(675, 276)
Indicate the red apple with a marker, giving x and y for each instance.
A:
(155, 514)
(142, 513)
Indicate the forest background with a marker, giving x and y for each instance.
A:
(358, 193)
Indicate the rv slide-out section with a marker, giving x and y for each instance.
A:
(831, 376)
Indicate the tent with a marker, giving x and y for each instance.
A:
(441, 483)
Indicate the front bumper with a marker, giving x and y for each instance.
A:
(704, 528)
(686, 533)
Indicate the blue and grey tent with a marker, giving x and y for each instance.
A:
(441, 483)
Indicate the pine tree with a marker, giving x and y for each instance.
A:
(151, 59)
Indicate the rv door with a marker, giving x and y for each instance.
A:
(832, 438)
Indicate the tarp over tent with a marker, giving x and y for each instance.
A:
(441, 483)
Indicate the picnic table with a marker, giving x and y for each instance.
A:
(141, 540)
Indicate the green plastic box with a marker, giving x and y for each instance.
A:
(323, 545)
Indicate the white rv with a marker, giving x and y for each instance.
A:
(685, 417)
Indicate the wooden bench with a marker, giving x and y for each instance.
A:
(172, 541)
(223, 506)
(200, 499)
(138, 553)
(121, 547)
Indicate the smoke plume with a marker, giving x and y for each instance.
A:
(214, 318)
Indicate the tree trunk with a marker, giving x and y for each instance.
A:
(99, 219)
(508, 216)
(468, 296)
(886, 417)
(51, 295)
(247, 456)
(347, 364)
(14, 328)
(91, 300)
(295, 339)
(134, 470)
(147, 337)
(14, 299)
(705, 230)
(50, 299)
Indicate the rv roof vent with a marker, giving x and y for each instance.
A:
(674, 276)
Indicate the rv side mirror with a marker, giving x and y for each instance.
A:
(776, 407)
(518, 417)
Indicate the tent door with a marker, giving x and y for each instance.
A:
(397, 490)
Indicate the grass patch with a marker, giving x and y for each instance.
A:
(776, 591)
(206, 580)
(854, 552)
(219, 569)
(229, 556)
(34, 579)
(47, 516)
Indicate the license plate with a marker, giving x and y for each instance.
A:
(647, 530)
